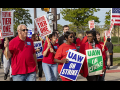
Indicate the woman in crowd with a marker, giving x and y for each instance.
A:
(92, 43)
(60, 56)
(35, 37)
(48, 64)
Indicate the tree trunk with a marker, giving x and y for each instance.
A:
(114, 32)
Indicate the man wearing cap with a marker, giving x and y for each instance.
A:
(110, 49)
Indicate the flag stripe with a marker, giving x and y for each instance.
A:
(116, 15)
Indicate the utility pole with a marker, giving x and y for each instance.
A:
(54, 12)
(35, 16)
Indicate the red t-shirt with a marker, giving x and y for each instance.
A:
(61, 54)
(49, 58)
(38, 60)
(83, 49)
(22, 56)
(78, 42)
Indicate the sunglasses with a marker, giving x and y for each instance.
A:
(89, 36)
(71, 37)
(24, 30)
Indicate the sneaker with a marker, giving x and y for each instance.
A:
(5, 76)
(11, 79)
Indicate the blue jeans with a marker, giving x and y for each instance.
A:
(25, 77)
(50, 71)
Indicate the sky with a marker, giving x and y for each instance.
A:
(101, 14)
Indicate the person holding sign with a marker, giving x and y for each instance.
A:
(35, 38)
(48, 64)
(23, 57)
(104, 53)
(60, 56)
(91, 44)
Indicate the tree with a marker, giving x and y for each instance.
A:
(60, 28)
(107, 18)
(80, 16)
(21, 16)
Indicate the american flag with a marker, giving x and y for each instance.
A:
(116, 15)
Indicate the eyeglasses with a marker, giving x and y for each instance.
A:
(24, 30)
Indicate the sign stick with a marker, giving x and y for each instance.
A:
(40, 38)
(104, 43)
(47, 40)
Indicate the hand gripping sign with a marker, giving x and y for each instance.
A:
(43, 26)
(94, 61)
(71, 70)
(38, 44)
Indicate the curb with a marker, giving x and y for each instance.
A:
(112, 71)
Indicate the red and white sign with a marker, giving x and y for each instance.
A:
(108, 33)
(7, 24)
(0, 25)
(91, 24)
(43, 26)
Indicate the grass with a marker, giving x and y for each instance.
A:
(116, 49)
(116, 61)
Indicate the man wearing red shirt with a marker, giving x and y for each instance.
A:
(23, 57)
(104, 53)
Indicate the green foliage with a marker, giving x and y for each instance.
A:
(116, 49)
(60, 28)
(107, 17)
(21, 16)
(116, 61)
(80, 16)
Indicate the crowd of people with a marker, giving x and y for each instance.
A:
(24, 65)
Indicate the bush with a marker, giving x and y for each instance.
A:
(113, 39)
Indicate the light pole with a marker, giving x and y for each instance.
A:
(35, 16)
(54, 12)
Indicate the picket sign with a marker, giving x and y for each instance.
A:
(94, 61)
(108, 33)
(91, 24)
(43, 26)
(71, 70)
(38, 44)
(29, 33)
(7, 24)
(0, 24)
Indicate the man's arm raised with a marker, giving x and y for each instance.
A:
(6, 51)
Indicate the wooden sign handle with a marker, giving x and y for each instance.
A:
(47, 40)
(104, 43)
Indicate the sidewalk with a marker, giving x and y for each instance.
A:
(111, 75)
(116, 55)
